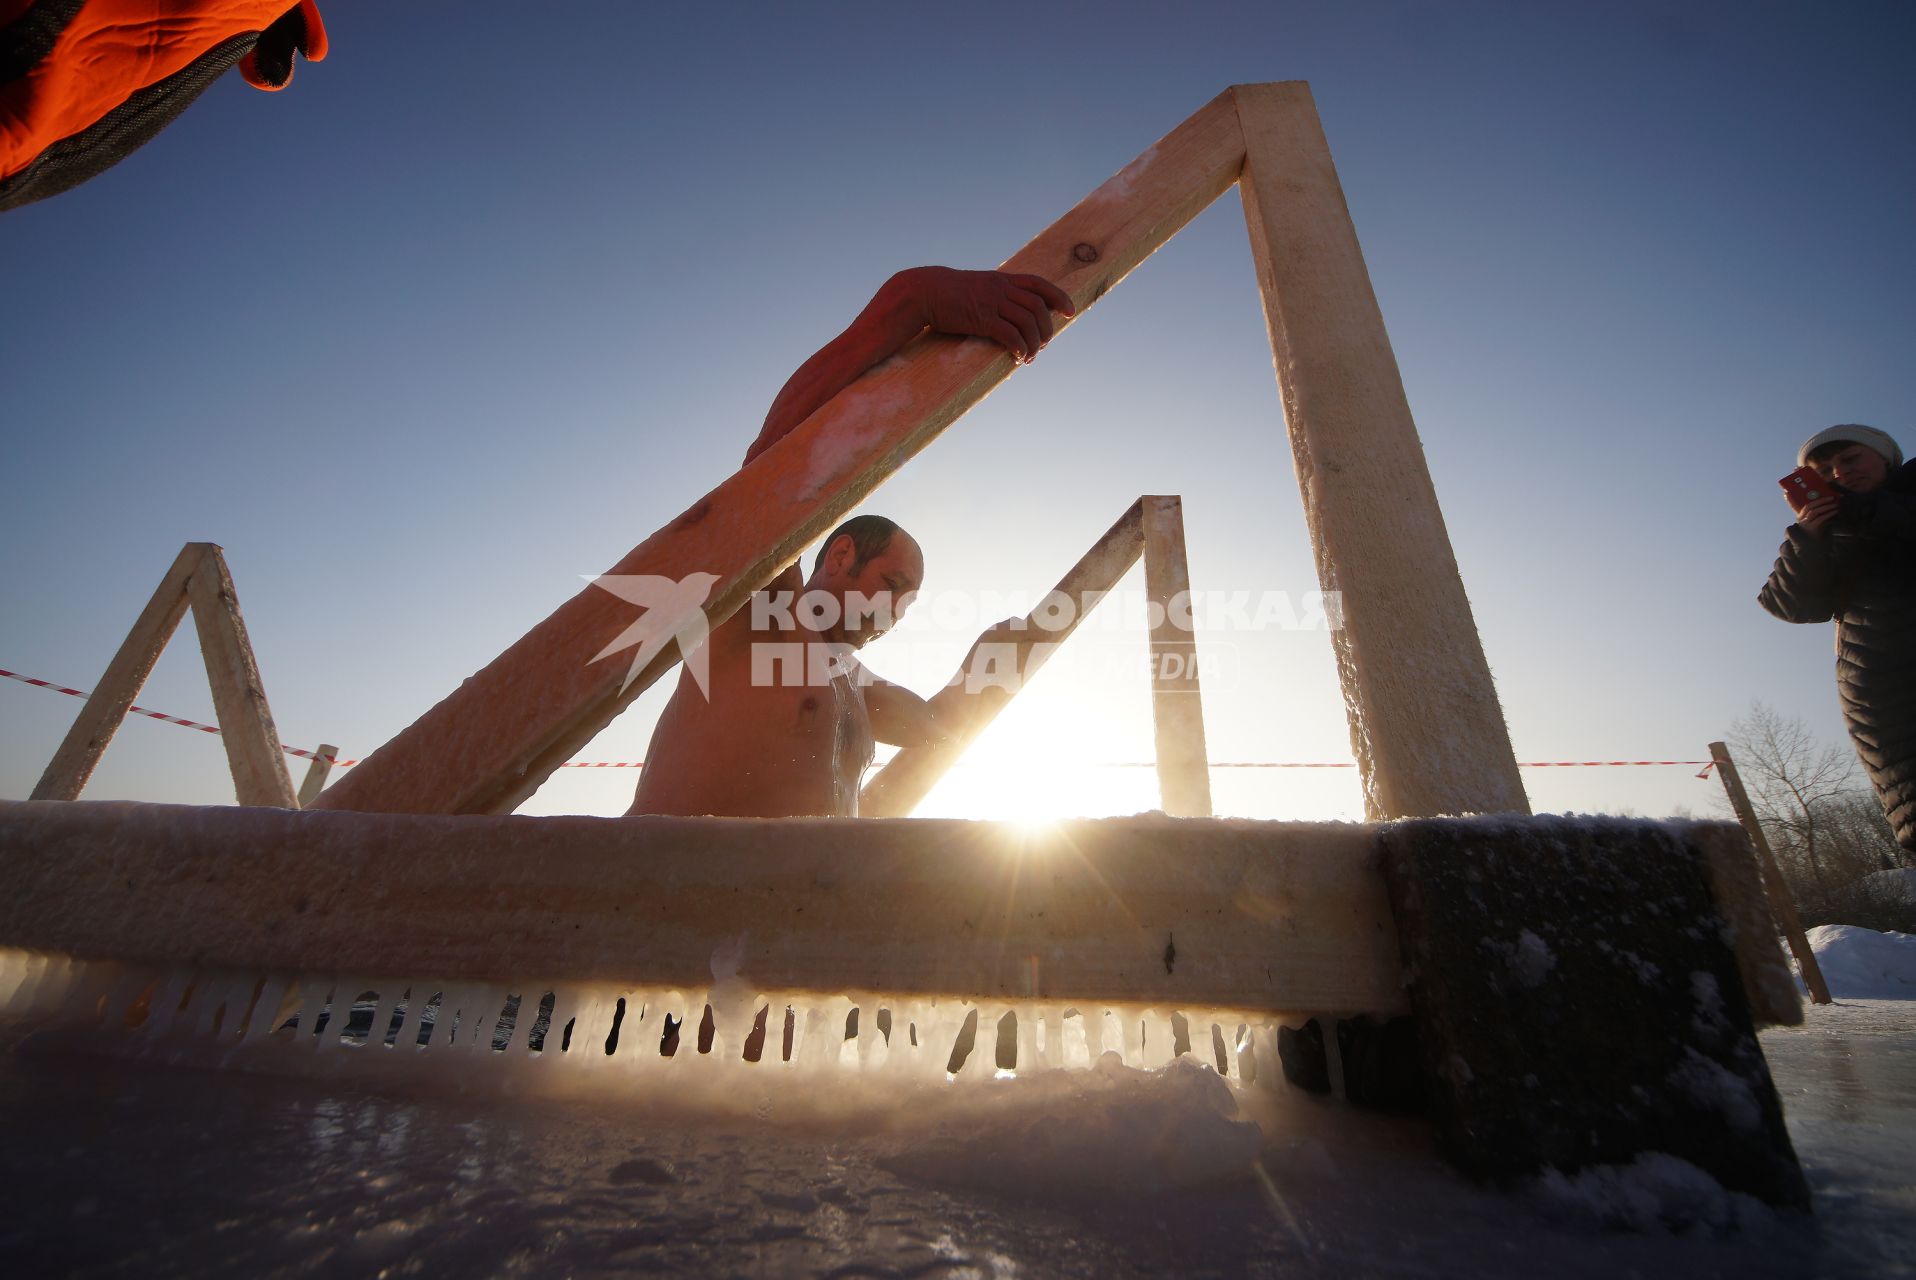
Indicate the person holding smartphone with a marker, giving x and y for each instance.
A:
(1851, 556)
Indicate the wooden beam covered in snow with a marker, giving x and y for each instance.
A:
(1159, 912)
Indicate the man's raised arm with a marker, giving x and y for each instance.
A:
(1013, 311)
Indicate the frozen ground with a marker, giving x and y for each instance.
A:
(115, 1168)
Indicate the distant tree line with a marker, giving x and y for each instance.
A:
(1823, 823)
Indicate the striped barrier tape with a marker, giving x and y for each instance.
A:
(1108, 764)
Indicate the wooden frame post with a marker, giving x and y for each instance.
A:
(908, 777)
(1782, 902)
(1184, 773)
(198, 580)
(493, 740)
(316, 773)
(1424, 717)
(106, 707)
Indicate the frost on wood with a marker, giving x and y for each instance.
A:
(1580, 1003)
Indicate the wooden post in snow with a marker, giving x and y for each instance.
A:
(1430, 735)
(1184, 774)
(908, 777)
(1778, 889)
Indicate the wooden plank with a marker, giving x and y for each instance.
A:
(1782, 902)
(1177, 714)
(239, 698)
(1187, 913)
(1738, 885)
(316, 772)
(495, 739)
(1424, 716)
(908, 777)
(99, 719)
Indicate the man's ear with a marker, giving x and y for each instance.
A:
(840, 554)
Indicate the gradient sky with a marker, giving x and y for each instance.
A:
(481, 301)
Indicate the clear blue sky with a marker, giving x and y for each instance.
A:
(492, 293)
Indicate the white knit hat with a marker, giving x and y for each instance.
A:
(1852, 433)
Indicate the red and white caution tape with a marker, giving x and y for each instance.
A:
(161, 715)
(1111, 764)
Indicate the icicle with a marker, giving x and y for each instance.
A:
(14, 967)
(1029, 1025)
(87, 999)
(1155, 1048)
(871, 1041)
(165, 1007)
(264, 1017)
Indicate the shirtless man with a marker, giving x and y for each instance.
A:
(792, 735)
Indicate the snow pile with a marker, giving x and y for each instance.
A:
(1656, 1191)
(1112, 1130)
(1861, 964)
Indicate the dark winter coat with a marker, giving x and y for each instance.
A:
(1861, 571)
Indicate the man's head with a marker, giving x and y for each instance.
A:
(873, 569)
(1857, 457)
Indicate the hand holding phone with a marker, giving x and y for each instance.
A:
(1804, 486)
(1814, 499)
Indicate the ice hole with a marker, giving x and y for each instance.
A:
(429, 1017)
(612, 1036)
(1220, 1051)
(1180, 1034)
(962, 1046)
(542, 1023)
(504, 1025)
(1007, 1055)
(708, 1027)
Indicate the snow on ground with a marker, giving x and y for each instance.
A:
(118, 1168)
(1861, 964)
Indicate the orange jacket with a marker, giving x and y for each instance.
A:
(83, 83)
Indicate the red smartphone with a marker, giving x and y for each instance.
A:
(1804, 486)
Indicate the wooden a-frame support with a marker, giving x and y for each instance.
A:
(198, 580)
(1152, 527)
(1426, 727)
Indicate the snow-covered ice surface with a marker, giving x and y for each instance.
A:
(113, 1167)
